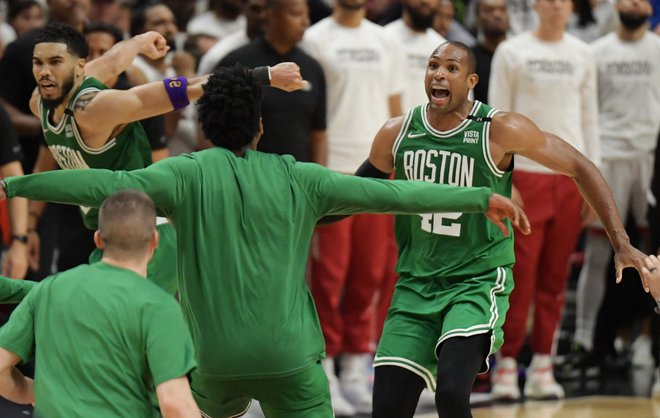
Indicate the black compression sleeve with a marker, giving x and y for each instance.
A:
(368, 170)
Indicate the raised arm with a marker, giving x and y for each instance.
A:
(512, 133)
(164, 181)
(118, 59)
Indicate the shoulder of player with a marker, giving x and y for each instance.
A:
(509, 126)
(388, 133)
(393, 125)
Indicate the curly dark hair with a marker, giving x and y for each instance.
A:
(230, 108)
(61, 33)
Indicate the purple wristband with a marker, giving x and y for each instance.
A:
(177, 90)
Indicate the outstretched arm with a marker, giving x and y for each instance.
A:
(514, 133)
(14, 291)
(164, 181)
(344, 194)
(110, 108)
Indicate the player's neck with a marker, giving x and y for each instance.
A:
(137, 266)
(281, 46)
(549, 32)
(491, 43)
(347, 17)
(449, 120)
(407, 20)
(58, 113)
(632, 35)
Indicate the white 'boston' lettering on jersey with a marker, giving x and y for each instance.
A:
(68, 158)
(439, 166)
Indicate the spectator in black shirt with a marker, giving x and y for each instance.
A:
(493, 24)
(294, 123)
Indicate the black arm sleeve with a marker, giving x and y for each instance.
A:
(366, 169)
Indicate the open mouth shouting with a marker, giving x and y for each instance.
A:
(439, 95)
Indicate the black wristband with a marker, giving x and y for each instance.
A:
(20, 238)
(261, 75)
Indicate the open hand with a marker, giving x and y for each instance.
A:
(630, 256)
(500, 207)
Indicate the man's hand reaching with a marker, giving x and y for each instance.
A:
(500, 207)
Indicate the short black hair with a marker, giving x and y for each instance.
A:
(230, 108)
(16, 7)
(471, 58)
(62, 33)
(103, 27)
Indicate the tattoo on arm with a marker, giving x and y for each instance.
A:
(84, 100)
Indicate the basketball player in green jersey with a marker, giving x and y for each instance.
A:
(455, 269)
(245, 220)
(87, 126)
(74, 142)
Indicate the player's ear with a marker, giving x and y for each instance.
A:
(80, 66)
(473, 79)
(98, 240)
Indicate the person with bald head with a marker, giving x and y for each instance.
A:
(455, 270)
(121, 344)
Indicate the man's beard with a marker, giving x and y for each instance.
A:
(494, 33)
(51, 104)
(418, 20)
(347, 5)
(632, 21)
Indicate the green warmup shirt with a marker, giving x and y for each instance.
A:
(450, 244)
(105, 337)
(128, 150)
(244, 227)
(13, 291)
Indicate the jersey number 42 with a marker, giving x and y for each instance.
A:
(440, 223)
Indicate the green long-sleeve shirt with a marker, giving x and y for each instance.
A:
(13, 291)
(244, 226)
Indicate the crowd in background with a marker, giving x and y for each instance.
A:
(588, 71)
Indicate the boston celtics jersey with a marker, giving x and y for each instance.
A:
(128, 150)
(451, 244)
